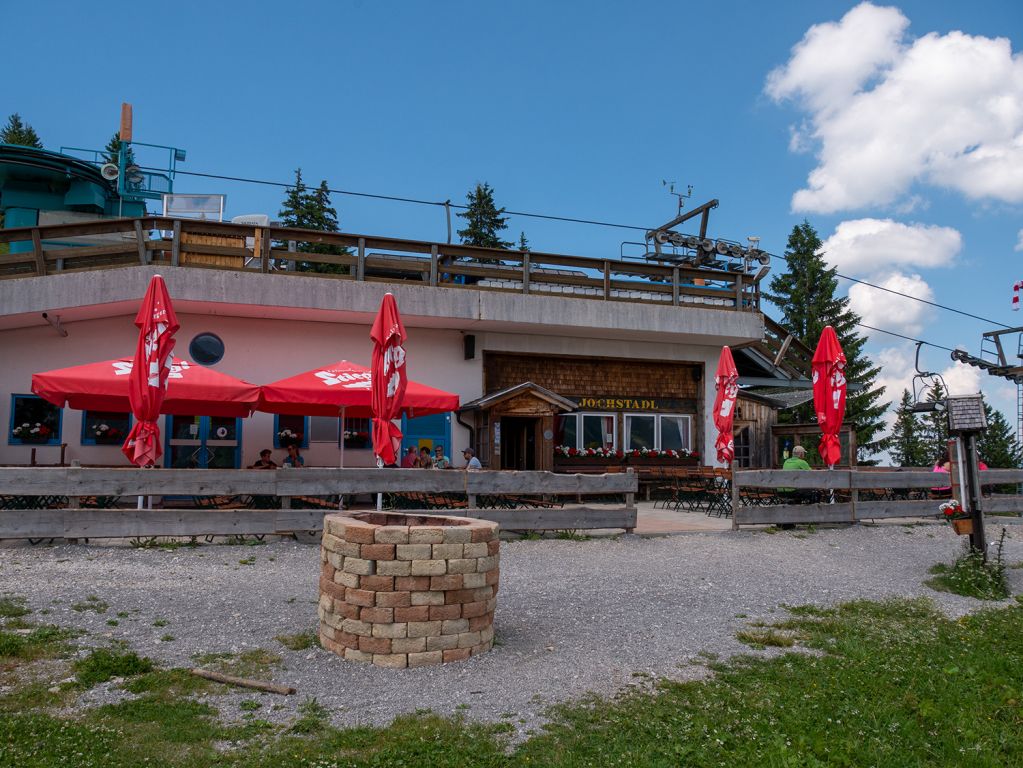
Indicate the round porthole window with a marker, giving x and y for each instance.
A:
(206, 349)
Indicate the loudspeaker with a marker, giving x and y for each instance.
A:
(469, 344)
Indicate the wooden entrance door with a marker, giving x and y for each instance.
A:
(519, 442)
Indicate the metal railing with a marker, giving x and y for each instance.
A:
(107, 243)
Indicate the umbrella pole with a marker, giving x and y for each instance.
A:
(380, 495)
(341, 452)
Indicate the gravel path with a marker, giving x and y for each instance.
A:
(572, 616)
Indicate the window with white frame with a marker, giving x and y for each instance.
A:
(586, 430)
(661, 432)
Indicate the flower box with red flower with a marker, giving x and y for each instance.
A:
(32, 432)
(565, 456)
(961, 520)
(648, 457)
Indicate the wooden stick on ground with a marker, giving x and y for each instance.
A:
(259, 685)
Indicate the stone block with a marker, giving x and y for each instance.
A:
(331, 542)
(483, 564)
(332, 590)
(481, 648)
(455, 627)
(493, 576)
(394, 599)
(354, 654)
(442, 643)
(473, 609)
(359, 533)
(390, 631)
(356, 627)
(359, 566)
(429, 567)
(336, 560)
(334, 525)
(444, 612)
(346, 579)
(408, 645)
(447, 551)
(361, 597)
(491, 605)
(484, 533)
(462, 565)
(377, 551)
(479, 549)
(328, 632)
(375, 644)
(445, 582)
(394, 567)
(330, 645)
(487, 634)
(328, 571)
(476, 623)
(377, 583)
(326, 602)
(346, 610)
(376, 615)
(346, 639)
(423, 535)
(426, 658)
(424, 628)
(392, 534)
(456, 654)
(413, 551)
(390, 660)
(473, 580)
(494, 547)
(468, 639)
(457, 534)
(428, 598)
(412, 583)
(413, 613)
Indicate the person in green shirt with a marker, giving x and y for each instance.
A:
(797, 460)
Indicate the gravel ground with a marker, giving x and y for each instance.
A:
(572, 616)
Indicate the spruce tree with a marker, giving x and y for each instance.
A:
(484, 221)
(998, 446)
(523, 242)
(806, 295)
(935, 424)
(18, 132)
(311, 209)
(113, 151)
(906, 444)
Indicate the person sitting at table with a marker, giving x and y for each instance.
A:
(294, 458)
(425, 459)
(797, 461)
(265, 461)
(440, 461)
(410, 460)
(472, 464)
(942, 464)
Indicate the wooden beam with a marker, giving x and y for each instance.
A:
(795, 513)
(176, 244)
(434, 257)
(140, 242)
(781, 352)
(37, 251)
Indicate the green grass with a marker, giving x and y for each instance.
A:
(256, 663)
(12, 606)
(890, 684)
(34, 643)
(91, 603)
(102, 664)
(762, 638)
(300, 641)
(970, 576)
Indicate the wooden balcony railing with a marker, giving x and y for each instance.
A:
(108, 243)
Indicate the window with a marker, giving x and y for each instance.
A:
(662, 432)
(359, 433)
(598, 430)
(33, 421)
(206, 349)
(291, 429)
(323, 429)
(566, 430)
(105, 427)
(743, 454)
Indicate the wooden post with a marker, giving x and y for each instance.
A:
(433, 264)
(525, 271)
(140, 241)
(607, 280)
(176, 245)
(736, 499)
(360, 267)
(262, 246)
(292, 248)
(674, 286)
(630, 497)
(738, 291)
(37, 250)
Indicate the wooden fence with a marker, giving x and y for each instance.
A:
(858, 495)
(75, 483)
(211, 245)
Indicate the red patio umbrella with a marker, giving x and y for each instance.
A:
(325, 391)
(390, 379)
(147, 382)
(191, 389)
(726, 382)
(829, 393)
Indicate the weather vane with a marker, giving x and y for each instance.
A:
(681, 198)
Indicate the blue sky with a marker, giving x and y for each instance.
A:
(910, 117)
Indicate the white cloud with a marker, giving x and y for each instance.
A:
(887, 112)
(1019, 241)
(890, 311)
(962, 379)
(863, 246)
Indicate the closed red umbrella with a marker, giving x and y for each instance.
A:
(726, 382)
(390, 379)
(147, 382)
(191, 389)
(326, 390)
(829, 393)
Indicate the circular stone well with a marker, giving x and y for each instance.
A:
(407, 590)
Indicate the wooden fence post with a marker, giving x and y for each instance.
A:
(37, 250)
(736, 500)
(176, 245)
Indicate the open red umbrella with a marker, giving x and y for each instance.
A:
(325, 391)
(147, 382)
(191, 389)
(829, 393)
(390, 379)
(726, 382)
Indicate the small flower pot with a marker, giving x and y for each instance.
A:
(963, 526)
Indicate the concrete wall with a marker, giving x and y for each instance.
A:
(263, 350)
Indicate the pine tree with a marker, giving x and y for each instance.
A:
(906, 444)
(806, 294)
(113, 151)
(18, 132)
(523, 242)
(311, 209)
(935, 424)
(484, 221)
(998, 446)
